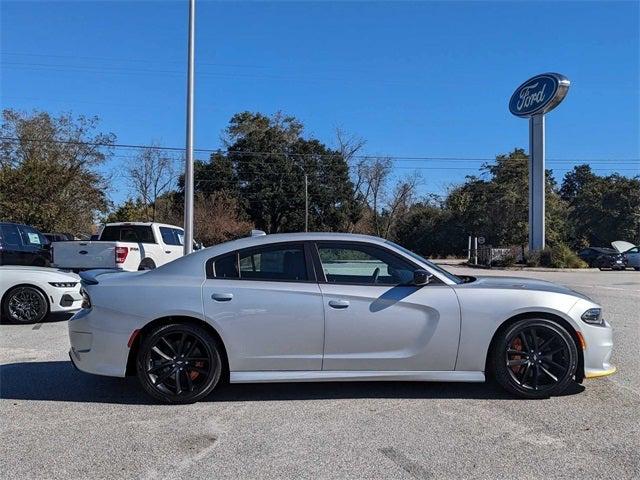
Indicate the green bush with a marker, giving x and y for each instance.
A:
(556, 256)
(508, 260)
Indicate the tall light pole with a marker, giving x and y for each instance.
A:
(306, 202)
(188, 170)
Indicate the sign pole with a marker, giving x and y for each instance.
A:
(188, 171)
(532, 99)
(536, 182)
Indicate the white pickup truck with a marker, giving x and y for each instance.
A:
(124, 246)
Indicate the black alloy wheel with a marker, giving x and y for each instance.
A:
(535, 358)
(25, 304)
(179, 363)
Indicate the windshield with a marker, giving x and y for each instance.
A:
(432, 265)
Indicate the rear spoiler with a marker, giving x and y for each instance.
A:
(90, 277)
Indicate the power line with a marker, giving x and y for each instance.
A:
(311, 155)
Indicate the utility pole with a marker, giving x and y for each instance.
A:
(306, 203)
(306, 195)
(188, 171)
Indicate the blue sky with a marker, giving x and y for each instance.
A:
(426, 79)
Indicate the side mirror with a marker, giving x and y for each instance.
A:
(421, 277)
(197, 245)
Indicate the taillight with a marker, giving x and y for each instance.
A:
(121, 254)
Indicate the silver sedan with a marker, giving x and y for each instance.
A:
(332, 307)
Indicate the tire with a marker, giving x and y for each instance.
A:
(25, 304)
(531, 374)
(146, 264)
(637, 269)
(178, 363)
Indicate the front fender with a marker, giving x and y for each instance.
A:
(484, 311)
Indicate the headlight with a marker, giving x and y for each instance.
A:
(593, 316)
(86, 301)
(63, 284)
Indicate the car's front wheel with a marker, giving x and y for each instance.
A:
(25, 304)
(534, 358)
(178, 363)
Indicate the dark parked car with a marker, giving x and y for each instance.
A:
(23, 245)
(601, 257)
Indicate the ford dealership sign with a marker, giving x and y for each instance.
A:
(539, 94)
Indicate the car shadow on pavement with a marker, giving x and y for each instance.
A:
(60, 381)
(51, 318)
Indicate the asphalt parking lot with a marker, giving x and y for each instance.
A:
(59, 423)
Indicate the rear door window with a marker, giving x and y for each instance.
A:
(270, 263)
(283, 263)
(226, 266)
(168, 236)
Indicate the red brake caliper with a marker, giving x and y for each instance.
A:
(193, 374)
(516, 345)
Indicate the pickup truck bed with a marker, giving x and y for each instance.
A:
(125, 246)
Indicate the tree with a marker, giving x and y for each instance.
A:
(48, 170)
(129, 211)
(150, 175)
(372, 176)
(426, 229)
(217, 217)
(601, 209)
(402, 197)
(264, 168)
(497, 208)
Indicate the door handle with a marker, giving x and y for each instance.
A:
(338, 303)
(167, 251)
(222, 297)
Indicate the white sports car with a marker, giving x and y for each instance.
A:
(29, 294)
(331, 307)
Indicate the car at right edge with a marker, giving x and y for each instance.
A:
(312, 307)
(630, 252)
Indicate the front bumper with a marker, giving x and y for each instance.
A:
(65, 301)
(598, 343)
(597, 355)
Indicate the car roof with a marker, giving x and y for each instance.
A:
(299, 237)
(139, 224)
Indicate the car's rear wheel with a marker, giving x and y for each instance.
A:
(147, 264)
(25, 304)
(534, 358)
(178, 363)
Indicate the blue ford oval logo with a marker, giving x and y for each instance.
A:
(539, 94)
